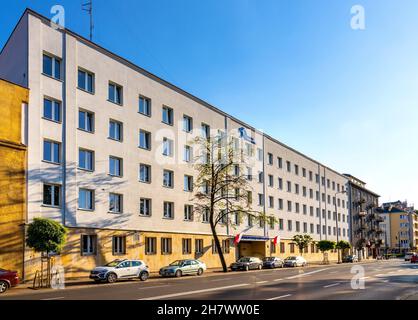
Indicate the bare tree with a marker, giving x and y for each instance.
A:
(223, 192)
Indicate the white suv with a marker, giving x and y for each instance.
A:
(120, 269)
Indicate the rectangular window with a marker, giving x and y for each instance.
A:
(198, 245)
(115, 203)
(205, 131)
(150, 245)
(250, 220)
(144, 106)
(168, 115)
(214, 247)
(280, 204)
(168, 210)
(86, 120)
(187, 156)
(292, 247)
(186, 246)
(271, 223)
(188, 212)
(281, 226)
(85, 80)
(52, 109)
(145, 207)
(260, 199)
(51, 195)
(296, 169)
(188, 183)
(144, 173)
(115, 166)
(144, 140)
(280, 162)
(88, 244)
(271, 180)
(205, 215)
(52, 151)
(166, 245)
(289, 206)
(249, 173)
(115, 93)
(52, 66)
(119, 245)
(86, 159)
(187, 123)
(167, 147)
(115, 130)
(168, 178)
(85, 199)
(282, 247)
(225, 246)
(297, 226)
(289, 225)
(288, 166)
(270, 159)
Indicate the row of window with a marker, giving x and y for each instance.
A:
(52, 111)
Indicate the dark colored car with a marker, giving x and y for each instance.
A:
(272, 262)
(414, 258)
(350, 258)
(247, 263)
(8, 279)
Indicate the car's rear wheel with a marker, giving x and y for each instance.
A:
(111, 278)
(143, 276)
(178, 273)
(3, 286)
(200, 272)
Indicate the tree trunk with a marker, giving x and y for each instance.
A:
(219, 248)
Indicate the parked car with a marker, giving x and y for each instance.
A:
(295, 261)
(247, 263)
(272, 262)
(182, 267)
(350, 258)
(120, 269)
(8, 279)
(414, 258)
(408, 256)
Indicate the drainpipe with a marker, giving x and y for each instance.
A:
(64, 129)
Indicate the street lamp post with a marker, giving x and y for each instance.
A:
(336, 222)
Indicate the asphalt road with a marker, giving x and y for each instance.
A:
(391, 280)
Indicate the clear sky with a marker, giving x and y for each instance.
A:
(292, 68)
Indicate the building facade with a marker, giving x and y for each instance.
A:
(366, 233)
(13, 106)
(400, 226)
(109, 156)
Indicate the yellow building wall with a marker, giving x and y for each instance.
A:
(395, 221)
(12, 177)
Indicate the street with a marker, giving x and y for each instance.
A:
(389, 280)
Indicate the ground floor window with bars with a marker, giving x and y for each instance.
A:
(150, 245)
(187, 246)
(199, 246)
(88, 244)
(225, 246)
(272, 247)
(282, 247)
(214, 248)
(166, 245)
(119, 245)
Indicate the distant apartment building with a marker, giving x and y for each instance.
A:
(13, 108)
(366, 233)
(109, 157)
(400, 226)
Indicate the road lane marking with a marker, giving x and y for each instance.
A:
(332, 285)
(306, 274)
(259, 282)
(188, 293)
(278, 279)
(280, 297)
(380, 275)
(56, 298)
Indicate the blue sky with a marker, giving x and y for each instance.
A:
(292, 68)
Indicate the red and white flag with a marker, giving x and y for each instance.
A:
(238, 237)
(276, 240)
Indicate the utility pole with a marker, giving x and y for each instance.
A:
(88, 6)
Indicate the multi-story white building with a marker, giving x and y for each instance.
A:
(108, 157)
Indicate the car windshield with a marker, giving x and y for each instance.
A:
(268, 259)
(176, 263)
(244, 260)
(113, 263)
(291, 258)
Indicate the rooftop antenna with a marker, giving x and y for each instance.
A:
(88, 6)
